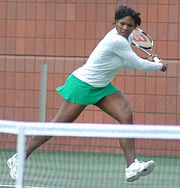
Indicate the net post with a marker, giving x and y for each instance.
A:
(42, 114)
(21, 157)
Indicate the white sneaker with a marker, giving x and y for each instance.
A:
(137, 169)
(12, 164)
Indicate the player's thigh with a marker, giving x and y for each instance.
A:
(117, 106)
(68, 112)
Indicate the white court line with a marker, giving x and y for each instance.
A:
(15, 186)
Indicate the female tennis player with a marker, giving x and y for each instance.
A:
(91, 84)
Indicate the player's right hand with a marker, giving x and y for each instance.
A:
(164, 68)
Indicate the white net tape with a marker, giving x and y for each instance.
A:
(91, 130)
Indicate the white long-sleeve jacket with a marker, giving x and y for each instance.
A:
(112, 53)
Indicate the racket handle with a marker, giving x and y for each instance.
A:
(156, 59)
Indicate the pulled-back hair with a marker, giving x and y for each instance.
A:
(124, 11)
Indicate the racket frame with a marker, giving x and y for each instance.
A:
(147, 50)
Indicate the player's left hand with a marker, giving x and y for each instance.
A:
(151, 58)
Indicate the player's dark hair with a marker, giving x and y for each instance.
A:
(124, 11)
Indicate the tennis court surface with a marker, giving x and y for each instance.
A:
(92, 162)
(90, 170)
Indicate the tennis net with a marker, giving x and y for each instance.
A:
(88, 155)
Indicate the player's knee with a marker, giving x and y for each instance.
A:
(127, 116)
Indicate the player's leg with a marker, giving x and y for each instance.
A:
(68, 112)
(118, 107)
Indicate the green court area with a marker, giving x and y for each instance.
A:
(53, 169)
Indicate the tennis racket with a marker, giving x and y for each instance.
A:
(144, 42)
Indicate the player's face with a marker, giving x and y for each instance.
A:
(125, 26)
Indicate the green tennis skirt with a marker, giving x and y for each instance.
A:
(78, 92)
